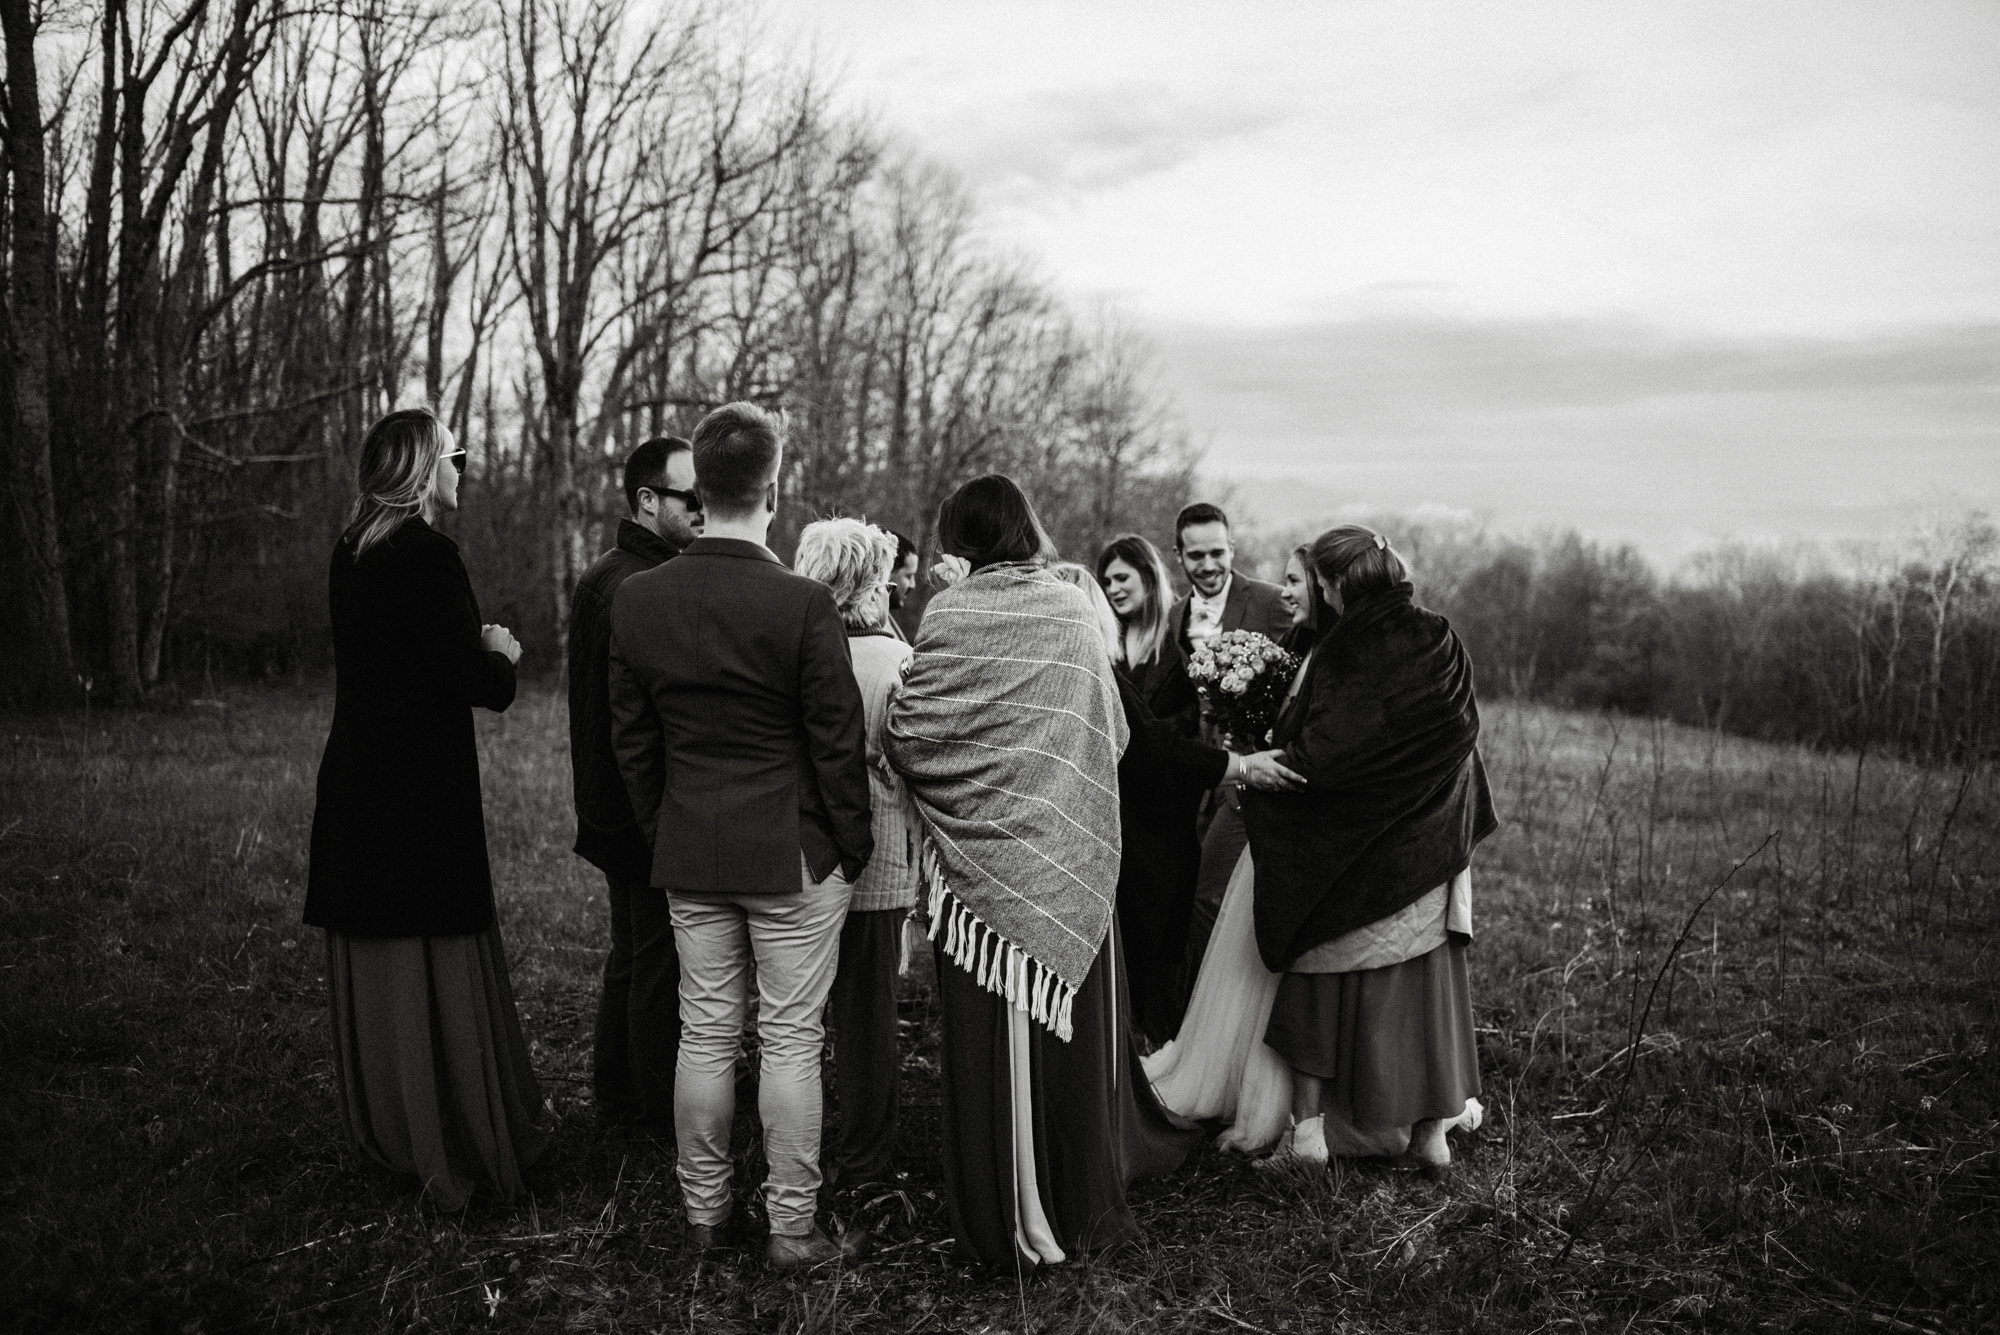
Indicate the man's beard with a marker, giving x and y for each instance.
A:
(679, 529)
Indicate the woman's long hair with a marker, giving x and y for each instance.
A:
(397, 477)
(990, 521)
(1145, 558)
(1318, 614)
(1357, 561)
(1100, 607)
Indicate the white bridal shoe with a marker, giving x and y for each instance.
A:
(1429, 1148)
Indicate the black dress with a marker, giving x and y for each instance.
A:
(433, 1072)
(1163, 686)
(1041, 1137)
(1162, 778)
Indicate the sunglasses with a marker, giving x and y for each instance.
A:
(457, 458)
(686, 498)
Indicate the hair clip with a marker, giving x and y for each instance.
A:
(1381, 542)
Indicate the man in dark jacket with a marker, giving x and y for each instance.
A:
(638, 1014)
(1218, 600)
(740, 733)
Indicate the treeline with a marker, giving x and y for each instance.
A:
(1894, 648)
(237, 231)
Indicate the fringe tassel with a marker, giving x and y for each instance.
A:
(997, 964)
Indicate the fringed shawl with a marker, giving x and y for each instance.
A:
(1007, 731)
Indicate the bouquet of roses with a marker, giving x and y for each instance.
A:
(1242, 678)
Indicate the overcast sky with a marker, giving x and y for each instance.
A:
(1665, 272)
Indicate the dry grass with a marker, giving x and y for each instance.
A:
(1800, 1134)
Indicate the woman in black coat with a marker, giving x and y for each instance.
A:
(432, 1069)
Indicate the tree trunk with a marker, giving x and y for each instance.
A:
(37, 655)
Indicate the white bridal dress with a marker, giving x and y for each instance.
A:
(1219, 1067)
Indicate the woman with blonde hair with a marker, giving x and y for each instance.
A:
(856, 561)
(432, 1070)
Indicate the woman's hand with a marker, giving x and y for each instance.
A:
(949, 570)
(500, 640)
(1266, 772)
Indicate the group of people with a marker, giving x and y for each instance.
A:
(1141, 922)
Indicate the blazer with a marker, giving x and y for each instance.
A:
(1252, 605)
(398, 834)
(607, 835)
(737, 723)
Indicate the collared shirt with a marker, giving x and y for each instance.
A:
(1205, 614)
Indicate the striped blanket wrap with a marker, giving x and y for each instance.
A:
(1007, 732)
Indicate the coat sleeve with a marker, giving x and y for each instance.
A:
(638, 740)
(836, 731)
(1190, 763)
(444, 618)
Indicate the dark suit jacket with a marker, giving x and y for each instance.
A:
(399, 836)
(737, 722)
(1252, 605)
(607, 836)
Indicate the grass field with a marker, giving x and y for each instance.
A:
(1773, 1112)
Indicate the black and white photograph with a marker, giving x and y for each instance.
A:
(1021, 667)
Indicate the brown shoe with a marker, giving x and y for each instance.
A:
(815, 1249)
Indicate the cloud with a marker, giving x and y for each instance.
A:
(1405, 368)
(1086, 140)
(1629, 433)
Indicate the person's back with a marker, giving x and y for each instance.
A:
(744, 663)
(740, 734)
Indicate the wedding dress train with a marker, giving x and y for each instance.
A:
(1219, 1067)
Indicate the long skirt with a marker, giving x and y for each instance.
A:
(1041, 1137)
(432, 1069)
(1394, 1045)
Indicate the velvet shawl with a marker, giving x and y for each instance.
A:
(1385, 729)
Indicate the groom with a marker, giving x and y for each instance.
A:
(1218, 600)
(740, 733)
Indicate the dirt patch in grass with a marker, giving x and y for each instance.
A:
(1772, 1112)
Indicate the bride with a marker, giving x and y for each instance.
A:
(1332, 1014)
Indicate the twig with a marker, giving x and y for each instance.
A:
(331, 1237)
(1233, 1319)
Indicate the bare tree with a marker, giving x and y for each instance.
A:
(38, 667)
